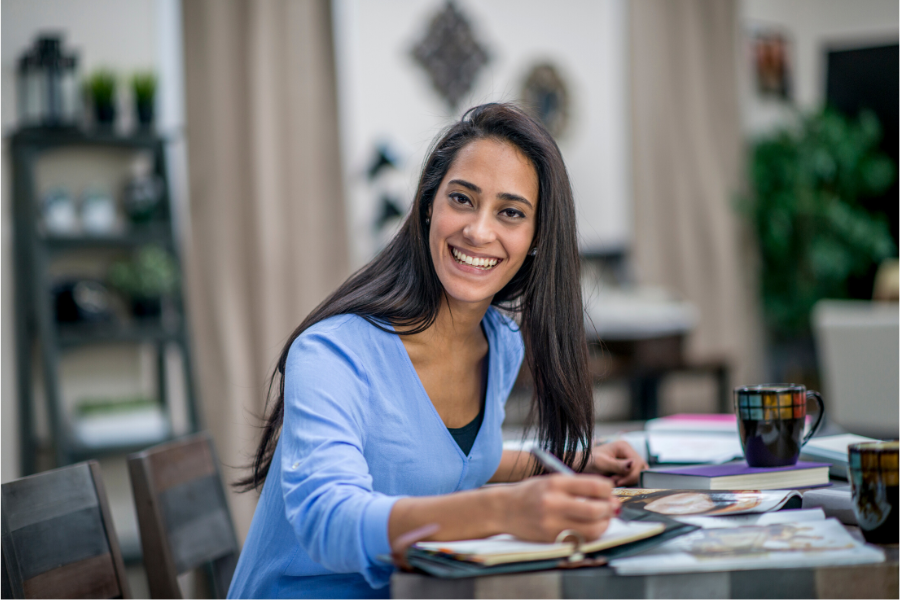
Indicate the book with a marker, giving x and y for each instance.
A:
(694, 423)
(505, 548)
(836, 501)
(736, 476)
(676, 503)
(677, 447)
(693, 439)
(786, 544)
(754, 519)
(832, 449)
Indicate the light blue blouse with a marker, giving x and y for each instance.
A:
(359, 433)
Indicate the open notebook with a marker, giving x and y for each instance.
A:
(503, 549)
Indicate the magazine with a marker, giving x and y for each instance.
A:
(816, 543)
(674, 503)
(754, 519)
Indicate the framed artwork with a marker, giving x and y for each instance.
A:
(772, 65)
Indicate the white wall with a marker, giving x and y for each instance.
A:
(385, 94)
(812, 26)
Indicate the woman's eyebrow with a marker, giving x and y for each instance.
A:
(503, 195)
(514, 198)
(466, 184)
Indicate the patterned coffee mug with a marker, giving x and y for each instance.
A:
(874, 479)
(771, 418)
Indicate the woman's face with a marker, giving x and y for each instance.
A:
(483, 220)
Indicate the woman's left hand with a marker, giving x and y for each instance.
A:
(618, 461)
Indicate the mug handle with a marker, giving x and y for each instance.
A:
(815, 427)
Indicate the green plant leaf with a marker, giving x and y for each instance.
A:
(814, 232)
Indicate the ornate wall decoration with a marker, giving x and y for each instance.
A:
(546, 96)
(450, 54)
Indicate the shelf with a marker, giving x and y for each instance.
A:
(54, 138)
(41, 256)
(79, 452)
(72, 335)
(131, 239)
(120, 429)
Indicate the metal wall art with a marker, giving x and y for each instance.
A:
(546, 96)
(450, 54)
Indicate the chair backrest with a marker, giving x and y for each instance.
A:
(58, 537)
(183, 515)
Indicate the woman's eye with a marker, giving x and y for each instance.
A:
(459, 198)
(513, 213)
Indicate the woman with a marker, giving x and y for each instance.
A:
(391, 392)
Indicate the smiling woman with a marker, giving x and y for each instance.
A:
(391, 394)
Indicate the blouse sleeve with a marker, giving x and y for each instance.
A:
(338, 518)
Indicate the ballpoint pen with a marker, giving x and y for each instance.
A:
(551, 462)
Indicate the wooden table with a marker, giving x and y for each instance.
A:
(859, 581)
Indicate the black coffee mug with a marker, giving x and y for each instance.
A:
(874, 479)
(771, 418)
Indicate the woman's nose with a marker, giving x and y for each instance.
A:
(480, 230)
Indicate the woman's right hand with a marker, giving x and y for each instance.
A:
(539, 508)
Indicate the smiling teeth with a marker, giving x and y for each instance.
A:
(481, 263)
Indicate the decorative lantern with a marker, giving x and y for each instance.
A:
(47, 82)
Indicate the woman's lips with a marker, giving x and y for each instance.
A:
(479, 263)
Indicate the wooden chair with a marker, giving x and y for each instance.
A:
(184, 518)
(58, 537)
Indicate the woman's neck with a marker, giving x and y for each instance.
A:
(456, 325)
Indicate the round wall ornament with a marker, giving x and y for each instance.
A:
(546, 96)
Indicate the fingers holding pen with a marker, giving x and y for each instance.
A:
(541, 507)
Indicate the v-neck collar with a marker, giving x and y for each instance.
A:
(488, 329)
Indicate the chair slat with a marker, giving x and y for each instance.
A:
(187, 502)
(60, 540)
(180, 464)
(93, 577)
(37, 498)
(202, 540)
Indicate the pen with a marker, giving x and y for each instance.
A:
(551, 462)
(554, 464)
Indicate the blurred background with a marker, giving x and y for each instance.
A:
(184, 180)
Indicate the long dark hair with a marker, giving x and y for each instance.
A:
(400, 287)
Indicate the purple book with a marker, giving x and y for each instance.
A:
(737, 475)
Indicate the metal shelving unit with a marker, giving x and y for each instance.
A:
(36, 324)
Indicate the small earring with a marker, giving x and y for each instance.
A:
(427, 220)
(533, 252)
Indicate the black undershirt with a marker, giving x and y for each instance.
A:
(465, 435)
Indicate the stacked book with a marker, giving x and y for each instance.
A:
(693, 439)
(832, 449)
(736, 476)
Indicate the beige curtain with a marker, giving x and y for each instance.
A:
(267, 237)
(687, 152)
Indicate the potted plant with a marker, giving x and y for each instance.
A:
(143, 85)
(101, 89)
(145, 280)
(809, 184)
